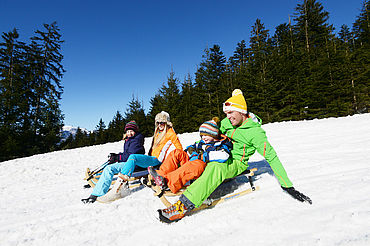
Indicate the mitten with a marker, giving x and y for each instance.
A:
(113, 158)
(204, 157)
(297, 195)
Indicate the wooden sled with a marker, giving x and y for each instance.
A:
(209, 202)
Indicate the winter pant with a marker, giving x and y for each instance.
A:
(177, 169)
(214, 174)
(127, 168)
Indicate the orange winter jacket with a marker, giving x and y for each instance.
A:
(161, 150)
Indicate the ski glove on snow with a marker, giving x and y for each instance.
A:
(297, 195)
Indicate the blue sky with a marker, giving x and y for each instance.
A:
(116, 48)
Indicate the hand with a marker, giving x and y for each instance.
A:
(113, 158)
(297, 195)
(204, 157)
(190, 150)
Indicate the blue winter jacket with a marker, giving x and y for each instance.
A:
(218, 151)
(133, 145)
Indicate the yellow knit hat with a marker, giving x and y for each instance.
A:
(236, 102)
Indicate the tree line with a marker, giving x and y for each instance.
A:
(303, 71)
(30, 90)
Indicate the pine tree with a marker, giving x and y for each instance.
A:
(339, 55)
(80, 138)
(313, 36)
(171, 97)
(361, 57)
(167, 99)
(11, 95)
(116, 128)
(187, 111)
(210, 84)
(92, 138)
(259, 67)
(44, 64)
(68, 143)
(155, 108)
(237, 69)
(361, 27)
(135, 111)
(100, 134)
(346, 48)
(284, 72)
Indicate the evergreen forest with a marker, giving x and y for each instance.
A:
(302, 70)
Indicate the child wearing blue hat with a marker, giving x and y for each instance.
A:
(181, 166)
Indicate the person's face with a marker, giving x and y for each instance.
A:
(130, 133)
(161, 125)
(235, 117)
(207, 139)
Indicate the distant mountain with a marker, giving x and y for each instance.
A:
(71, 130)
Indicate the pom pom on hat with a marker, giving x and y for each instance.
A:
(210, 128)
(236, 102)
(132, 125)
(236, 92)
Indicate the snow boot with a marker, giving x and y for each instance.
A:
(173, 213)
(90, 199)
(119, 190)
(158, 179)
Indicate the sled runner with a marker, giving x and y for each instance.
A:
(99, 169)
(210, 202)
(92, 177)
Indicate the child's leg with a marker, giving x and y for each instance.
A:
(138, 160)
(106, 177)
(174, 159)
(188, 171)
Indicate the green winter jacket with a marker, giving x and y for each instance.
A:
(249, 137)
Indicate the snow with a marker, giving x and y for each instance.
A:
(326, 159)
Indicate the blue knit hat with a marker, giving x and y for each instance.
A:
(210, 128)
(132, 125)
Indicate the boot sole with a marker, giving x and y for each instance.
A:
(165, 219)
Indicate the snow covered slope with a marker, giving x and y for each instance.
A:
(327, 160)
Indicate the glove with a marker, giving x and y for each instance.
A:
(190, 150)
(297, 195)
(204, 157)
(113, 158)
